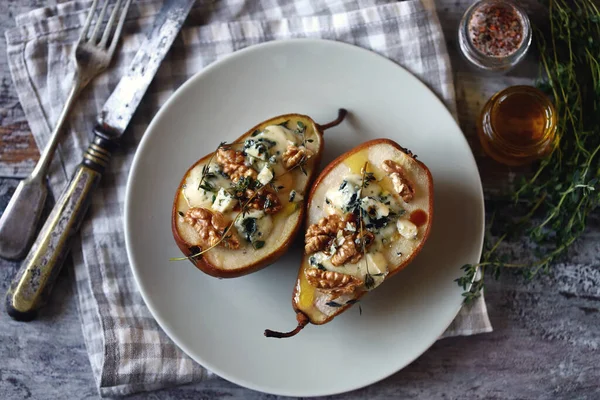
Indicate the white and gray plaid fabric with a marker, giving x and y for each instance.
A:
(128, 351)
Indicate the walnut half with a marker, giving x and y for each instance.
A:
(352, 249)
(332, 282)
(294, 155)
(211, 225)
(266, 200)
(319, 236)
(401, 184)
(233, 164)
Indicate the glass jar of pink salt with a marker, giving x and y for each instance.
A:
(494, 35)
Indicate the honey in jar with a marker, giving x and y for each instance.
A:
(517, 125)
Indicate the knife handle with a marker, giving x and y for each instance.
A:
(33, 282)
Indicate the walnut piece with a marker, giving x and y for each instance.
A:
(352, 249)
(233, 164)
(319, 236)
(332, 282)
(401, 184)
(293, 155)
(211, 225)
(266, 200)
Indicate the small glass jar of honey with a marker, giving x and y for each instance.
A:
(517, 125)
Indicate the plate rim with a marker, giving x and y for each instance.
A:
(191, 81)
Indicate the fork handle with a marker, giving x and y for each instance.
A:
(33, 282)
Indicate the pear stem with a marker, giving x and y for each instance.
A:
(342, 112)
(302, 322)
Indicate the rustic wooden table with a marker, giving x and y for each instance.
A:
(545, 344)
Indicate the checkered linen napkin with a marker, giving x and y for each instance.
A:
(128, 351)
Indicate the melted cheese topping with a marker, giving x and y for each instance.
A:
(267, 147)
(263, 151)
(254, 226)
(385, 214)
(381, 211)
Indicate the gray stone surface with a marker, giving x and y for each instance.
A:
(546, 343)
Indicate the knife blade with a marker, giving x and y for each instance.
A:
(33, 282)
(124, 100)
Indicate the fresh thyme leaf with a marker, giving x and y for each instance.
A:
(239, 188)
(256, 132)
(352, 301)
(259, 244)
(207, 186)
(465, 280)
(181, 214)
(333, 304)
(301, 126)
(369, 281)
(206, 166)
(303, 170)
(369, 177)
(284, 123)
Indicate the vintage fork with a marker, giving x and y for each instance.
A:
(92, 55)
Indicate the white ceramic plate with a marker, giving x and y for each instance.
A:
(220, 323)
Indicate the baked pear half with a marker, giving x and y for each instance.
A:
(238, 208)
(369, 214)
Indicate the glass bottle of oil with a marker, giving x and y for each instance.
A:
(517, 125)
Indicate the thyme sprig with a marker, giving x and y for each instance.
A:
(564, 189)
(369, 280)
(206, 167)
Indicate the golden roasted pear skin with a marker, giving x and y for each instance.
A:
(369, 213)
(238, 209)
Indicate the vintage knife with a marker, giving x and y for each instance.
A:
(35, 278)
